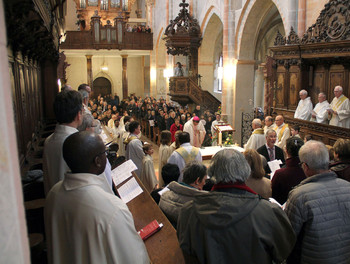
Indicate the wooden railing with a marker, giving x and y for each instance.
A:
(185, 90)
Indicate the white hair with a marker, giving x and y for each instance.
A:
(323, 94)
(229, 165)
(315, 154)
(339, 88)
(257, 122)
(303, 92)
(87, 122)
(269, 131)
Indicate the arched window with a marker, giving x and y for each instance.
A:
(218, 74)
(104, 4)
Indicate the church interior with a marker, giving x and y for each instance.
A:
(244, 56)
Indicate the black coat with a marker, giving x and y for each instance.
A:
(278, 155)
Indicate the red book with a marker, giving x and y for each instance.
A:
(150, 229)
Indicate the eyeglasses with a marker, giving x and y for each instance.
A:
(301, 163)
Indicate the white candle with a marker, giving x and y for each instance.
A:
(220, 139)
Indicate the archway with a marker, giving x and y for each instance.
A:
(209, 55)
(101, 85)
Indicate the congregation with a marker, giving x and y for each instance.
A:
(221, 213)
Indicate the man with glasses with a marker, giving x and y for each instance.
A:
(339, 111)
(68, 110)
(318, 209)
(84, 222)
(282, 130)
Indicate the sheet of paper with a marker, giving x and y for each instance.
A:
(225, 128)
(129, 190)
(274, 165)
(123, 172)
(165, 189)
(151, 122)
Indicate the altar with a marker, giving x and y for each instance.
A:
(208, 152)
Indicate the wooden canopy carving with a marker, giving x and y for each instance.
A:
(332, 25)
(183, 33)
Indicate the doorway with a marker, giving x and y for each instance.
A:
(101, 85)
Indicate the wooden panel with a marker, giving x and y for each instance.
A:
(336, 77)
(293, 90)
(319, 84)
(280, 89)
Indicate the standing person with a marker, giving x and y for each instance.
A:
(256, 180)
(171, 119)
(270, 151)
(196, 131)
(304, 108)
(185, 154)
(294, 130)
(282, 130)
(342, 157)
(134, 149)
(285, 179)
(179, 72)
(233, 214)
(339, 113)
(257, 139)
(318, 209)
(68, 108)
(164, 153)
(320, 114)
(268, 124)
(175, 127)
(84, 222)
(148, 175)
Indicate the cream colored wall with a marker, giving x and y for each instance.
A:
(135, 74)
(76, 73)
(113, 74)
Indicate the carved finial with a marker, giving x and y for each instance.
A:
(279, 40)
(293, 38)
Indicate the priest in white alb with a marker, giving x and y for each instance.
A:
(320, 114)
(282, 130)
(304, 108)
(339, 111)
(257, 139)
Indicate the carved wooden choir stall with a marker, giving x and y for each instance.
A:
(317, 62)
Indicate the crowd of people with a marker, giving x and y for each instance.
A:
(222, 214)
(138, 29)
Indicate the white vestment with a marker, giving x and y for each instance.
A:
(164, 154)
(342, 106)
(111, 125)
(135, 152)
(270, 127)
(321, 113)
(283, 133)
(304, 109)
(213, 124)
(256, 140)
(177, 159)
(87, 224)
(148, 175)
(54, 166)
(197, 133)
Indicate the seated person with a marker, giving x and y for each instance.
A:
(194, 177)
(170, 172)
(84, 222)
(285, 179)
(232, 224)
(256, 181)
(342, 156)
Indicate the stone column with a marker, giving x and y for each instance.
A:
(301, 17)
(13, 239)
(89, 70)
(125, 76)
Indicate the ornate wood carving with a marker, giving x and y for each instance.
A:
(292, 38)
(279, 40)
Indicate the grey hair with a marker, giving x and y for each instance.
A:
(97, 125)
(84, 94)
(315, 154)
(87, 122)
(323, 94)
(303, 92)
(257, 122)
(339, 88)
(269, 131)
(229, 165)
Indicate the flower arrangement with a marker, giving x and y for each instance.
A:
(228, 140)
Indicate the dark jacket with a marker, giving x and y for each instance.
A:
(342, 169)
(235, 227)
(278, 155)
(318, 209)
(286, 179)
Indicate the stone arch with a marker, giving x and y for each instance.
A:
(209, 52)
(101, 85)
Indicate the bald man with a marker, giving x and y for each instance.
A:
(84, 222)
(319, 114)
(339, 112)
(282, 130)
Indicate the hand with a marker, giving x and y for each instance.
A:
(313, 115)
